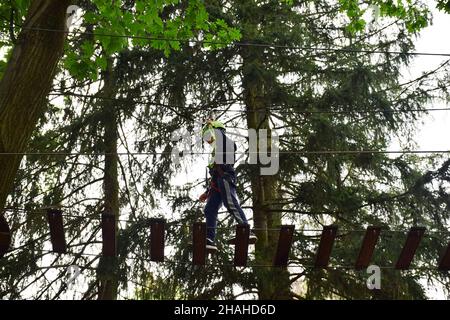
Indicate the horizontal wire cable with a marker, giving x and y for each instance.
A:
(241, 44)
(301, 152)
(306, 112)
(288, 109)
(236, 43)
(209, 264)
(187, 152)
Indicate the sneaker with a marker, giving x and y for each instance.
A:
(210, 245)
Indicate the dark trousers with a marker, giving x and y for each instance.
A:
(226, 196)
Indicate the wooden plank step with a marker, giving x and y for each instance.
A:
(157, 231)
(325, 246)
(109, 235)
(367, 247)
(199, 243)
(284, 246)
(444, 262)
(241, 247)
(57, 236)
(415, 235)
(5, 236)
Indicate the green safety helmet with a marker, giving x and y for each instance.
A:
(213, 125)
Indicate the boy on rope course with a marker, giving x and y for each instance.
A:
(222, 187)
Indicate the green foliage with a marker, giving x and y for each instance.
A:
(162, 25)
(443, 5)
(21, 6)
(416, 16)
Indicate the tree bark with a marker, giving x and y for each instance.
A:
(107, 275)
(272, 283)
(26, 84)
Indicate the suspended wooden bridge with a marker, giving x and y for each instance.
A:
(241, 243)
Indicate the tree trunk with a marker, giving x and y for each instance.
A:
(26, 84)
(107, 273)
(273, 283)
